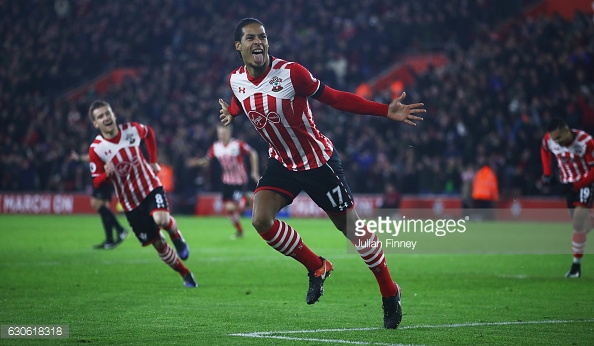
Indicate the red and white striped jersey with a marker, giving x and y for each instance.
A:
(276, 104)
(573, 160)
(230, 157)
(133, 178)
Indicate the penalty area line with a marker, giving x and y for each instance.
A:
(283, 334)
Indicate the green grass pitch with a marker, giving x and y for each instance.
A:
(251, 295)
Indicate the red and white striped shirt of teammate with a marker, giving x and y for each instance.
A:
(230, 156)
(274, 93)
(574, 160)
(574, 152)
(134, 178)
(115, 157)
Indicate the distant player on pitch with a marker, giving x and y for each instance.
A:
(100, 200)
(230, 152)
(574, 151)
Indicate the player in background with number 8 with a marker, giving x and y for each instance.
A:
(115, 156)
(274, 94)
(574, 152)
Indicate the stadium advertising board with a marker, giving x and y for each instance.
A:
(37, 203)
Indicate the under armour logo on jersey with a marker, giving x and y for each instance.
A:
(259, 120)
(108, 152)
(241, 90)
(275, 81)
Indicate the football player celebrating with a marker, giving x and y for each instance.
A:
(274, 94)
(115, 156)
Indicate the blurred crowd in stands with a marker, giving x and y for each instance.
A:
(507, 76)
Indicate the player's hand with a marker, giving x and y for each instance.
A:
(155, 167)
(109, 168)
(193, 162)
(546, 180)
(226, 118)
(196, 162)
(74, 156)
(405, 113)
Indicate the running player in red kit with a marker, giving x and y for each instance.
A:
(115, 157)
(274, 94)
(230, 152)
(574, 152)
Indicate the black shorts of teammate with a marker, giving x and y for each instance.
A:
(141, 219)
(326, 185)
(581, 197)
(103, 192)
(233, 192)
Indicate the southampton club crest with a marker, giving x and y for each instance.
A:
(130, 138)
(275, 82)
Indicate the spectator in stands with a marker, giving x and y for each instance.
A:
(528, 67)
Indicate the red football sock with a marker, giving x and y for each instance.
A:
(578, 244)
(284, 239)
(373, 255)
(172, 229)
(170, 258)
(234, 218)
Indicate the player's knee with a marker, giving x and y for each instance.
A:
(161, 219)
(262, 223)
(159, 244)
(580, 227)
(230, 207)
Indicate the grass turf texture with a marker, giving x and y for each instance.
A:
(51, 275)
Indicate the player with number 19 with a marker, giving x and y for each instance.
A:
(574, 152)
(115, 157)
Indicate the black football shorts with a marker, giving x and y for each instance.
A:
(583, 197)
(233, 192)
(141, 219)
(326, 185)
(103, 192)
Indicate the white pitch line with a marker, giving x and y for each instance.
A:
(334, 341)
(480, 324)
(506, 276)
(275, 335)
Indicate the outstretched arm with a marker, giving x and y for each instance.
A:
(349, 102)
(74, 156)
(198, 162)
